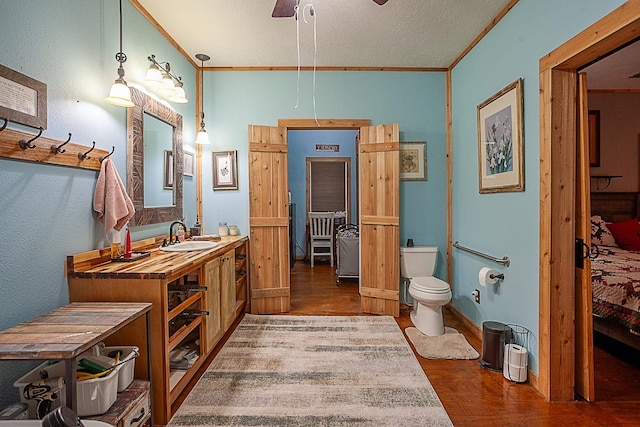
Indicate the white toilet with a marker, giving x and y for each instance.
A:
(429, 293)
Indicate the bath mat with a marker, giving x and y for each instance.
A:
(281, 370)
(451, 345)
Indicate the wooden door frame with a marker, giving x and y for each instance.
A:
(558, 141)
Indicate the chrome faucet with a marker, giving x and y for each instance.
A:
(171, 242)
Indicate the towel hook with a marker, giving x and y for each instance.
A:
(84, 156)
(6, 122)
(55, 149)
(28, 144)
(102, 158)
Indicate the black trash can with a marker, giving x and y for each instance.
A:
(494, 337)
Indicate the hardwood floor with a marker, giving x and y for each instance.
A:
(474, 396)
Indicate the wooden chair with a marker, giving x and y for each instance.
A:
(321, 234)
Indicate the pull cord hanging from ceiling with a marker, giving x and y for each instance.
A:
(312, 13)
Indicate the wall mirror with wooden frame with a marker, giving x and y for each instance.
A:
(142, 184)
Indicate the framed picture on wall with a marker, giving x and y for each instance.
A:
(168, 169)
(225, 170)
(500, 141)
(594, 138)
(413, 161)
(187, 169)
(22, 99)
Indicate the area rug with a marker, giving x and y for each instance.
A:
(283, 370)
(451, 345)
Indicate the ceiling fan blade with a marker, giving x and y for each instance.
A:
(380, 2)
(284, 8)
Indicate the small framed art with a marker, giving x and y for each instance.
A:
(594, 138)
(225, 170)
(187, 170)
(413, 161)
(168, 169)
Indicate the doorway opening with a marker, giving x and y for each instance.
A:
(321, 166)
(379, 214)
(565, 367)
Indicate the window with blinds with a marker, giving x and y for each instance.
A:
(328, 184)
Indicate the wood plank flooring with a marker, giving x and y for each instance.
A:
(474, 396)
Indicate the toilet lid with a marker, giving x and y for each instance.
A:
(430, 284)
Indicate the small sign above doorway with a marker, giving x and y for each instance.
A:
(334, 148)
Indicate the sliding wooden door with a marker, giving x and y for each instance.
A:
(379, 220)
(268, 220)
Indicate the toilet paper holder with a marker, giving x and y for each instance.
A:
(499, 276)
(489, 276)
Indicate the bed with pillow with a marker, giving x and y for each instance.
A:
(615, 278)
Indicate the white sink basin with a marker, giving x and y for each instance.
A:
(194, 245)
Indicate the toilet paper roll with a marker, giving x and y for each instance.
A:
(484, 276)
(515, 355)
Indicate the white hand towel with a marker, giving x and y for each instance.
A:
(110, 200)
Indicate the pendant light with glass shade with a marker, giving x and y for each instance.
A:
(120, 94)
(202, 137)
(159, 76)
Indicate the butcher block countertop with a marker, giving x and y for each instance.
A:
(159, 264)
(67, 331)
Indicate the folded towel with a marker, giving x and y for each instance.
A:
(110, 200)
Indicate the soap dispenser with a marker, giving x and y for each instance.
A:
(195, 230)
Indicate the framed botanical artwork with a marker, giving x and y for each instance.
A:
(594, 138)
(500, 141)
(187, 168)
(225, 170)
(413, 161)
(168, 169)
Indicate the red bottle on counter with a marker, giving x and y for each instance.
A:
(127, 245)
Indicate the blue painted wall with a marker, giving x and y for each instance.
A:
(506, 223)
(302, 145)
(46, 212)
(416, 101)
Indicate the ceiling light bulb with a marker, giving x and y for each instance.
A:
(154, 76)
(179, 96)
(120, 94)
(203, 137)
(168, 87)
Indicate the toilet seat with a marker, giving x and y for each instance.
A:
(431, 285)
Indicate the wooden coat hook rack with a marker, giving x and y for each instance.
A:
(18, 145)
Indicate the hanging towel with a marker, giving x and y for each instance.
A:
(110, 200)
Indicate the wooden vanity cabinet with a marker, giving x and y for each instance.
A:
(194, 301)
(227, 288)
(213, 322)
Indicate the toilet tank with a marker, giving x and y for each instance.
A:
(418, 261)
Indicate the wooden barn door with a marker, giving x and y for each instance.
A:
(268, 220)
(379, 219)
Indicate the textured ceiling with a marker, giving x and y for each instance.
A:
(615, 71)
(350, 33)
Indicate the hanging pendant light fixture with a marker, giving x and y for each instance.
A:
(159, 76)
(120, 94)
(202, 137)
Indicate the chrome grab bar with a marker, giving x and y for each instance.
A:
(504, 260)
